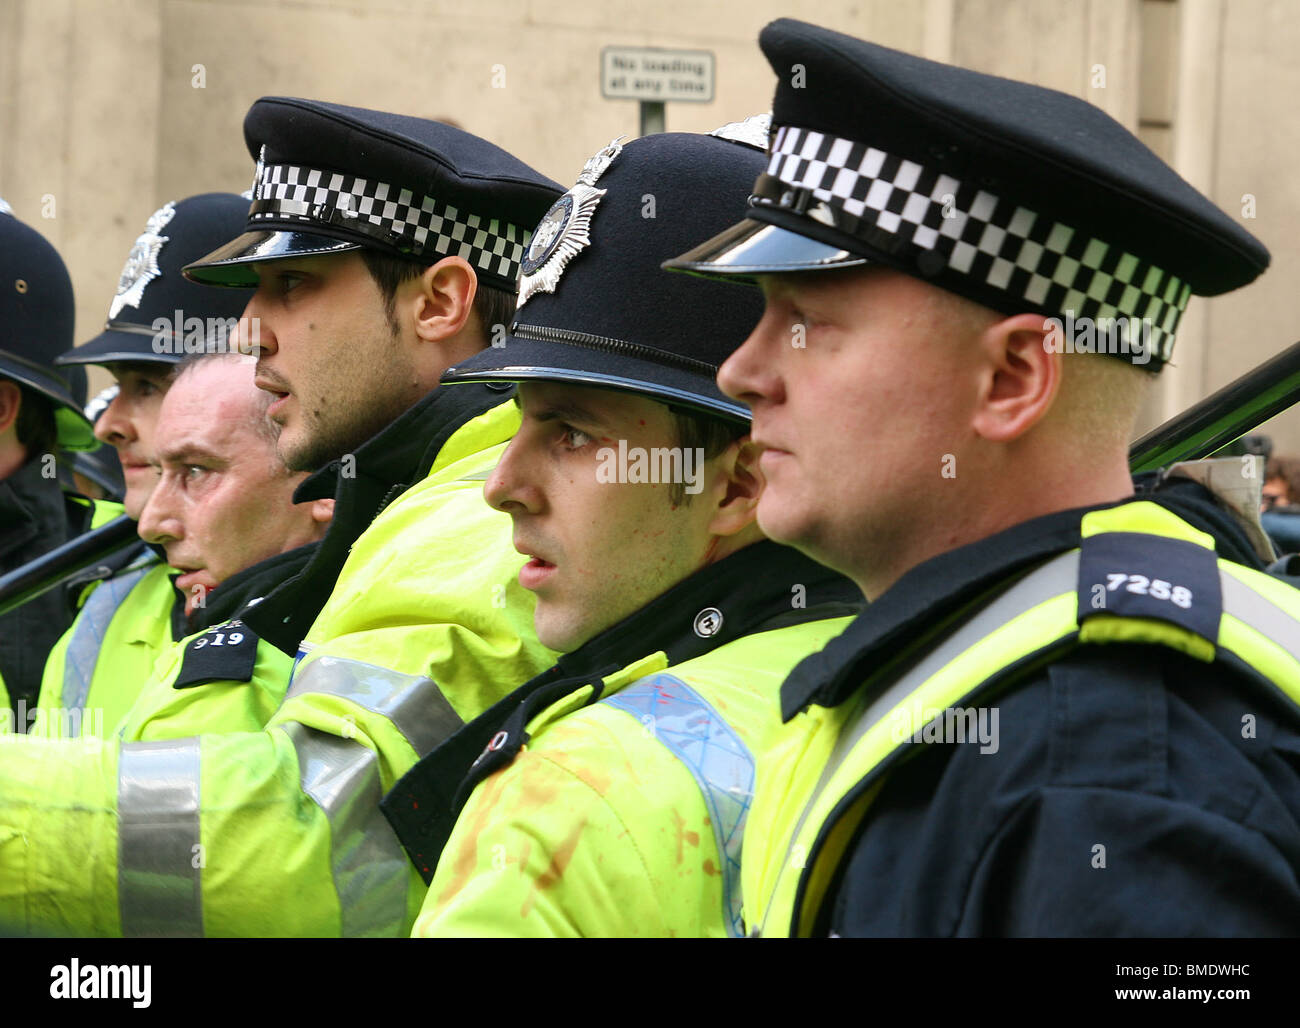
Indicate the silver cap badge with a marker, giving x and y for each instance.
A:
(563, 232)
(251, 193)
(755, 131)
(141, 266)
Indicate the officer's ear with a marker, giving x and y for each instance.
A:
(11, 398)
(441, 299)
(743, 485)
(322, 511)
(1018, 377)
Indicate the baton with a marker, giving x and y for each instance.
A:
(1222, 417)
(65, 562)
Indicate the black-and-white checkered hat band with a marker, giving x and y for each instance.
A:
(418, 225)
(914, 212)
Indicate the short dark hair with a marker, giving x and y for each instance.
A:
(35, 424)
(493, 305)
(1288, 470)
(706, 432)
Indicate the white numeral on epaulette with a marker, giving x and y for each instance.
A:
(1156, 588)
(219, 639)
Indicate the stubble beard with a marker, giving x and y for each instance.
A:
(340, 424)
(327, 441)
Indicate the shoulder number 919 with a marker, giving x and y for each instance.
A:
(219, 639)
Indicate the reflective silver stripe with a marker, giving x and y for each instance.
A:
(370, 869)
(1261, 614)
(722, 766)
(88, 634)
(414, 704)
(1059, 575)
(159, 889)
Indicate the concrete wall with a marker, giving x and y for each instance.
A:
(103, 107)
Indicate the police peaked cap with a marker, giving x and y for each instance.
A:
(595, 308)
(1021, 198)
(332, 178)
(151, 285)
(36, 321)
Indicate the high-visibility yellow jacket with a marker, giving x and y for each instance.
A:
(426, 628)
(624, 817)
(95, 672)
(82, 850)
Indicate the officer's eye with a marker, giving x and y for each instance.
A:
(287, 281)
(144, 388)
(194, 472)
(800, 317)
(574, 438)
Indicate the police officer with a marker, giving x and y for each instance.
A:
(1015, 737)
(678, 620)
(130, 613)
(38, 415)
(352, 209)
(383, 249)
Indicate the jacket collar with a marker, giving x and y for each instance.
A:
(749, 591)
(939, 591)
(380, 470)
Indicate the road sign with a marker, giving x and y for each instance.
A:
(653, 74)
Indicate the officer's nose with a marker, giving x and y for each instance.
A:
(751, 374)
(253, 335)
(160, 521)
(114, 426)
(509, 488)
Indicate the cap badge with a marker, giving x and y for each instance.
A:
(141, 266)
(258, 172)
(755, 131)
(562, 233)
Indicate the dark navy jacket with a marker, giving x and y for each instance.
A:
(35, 517)
(1122, 800)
